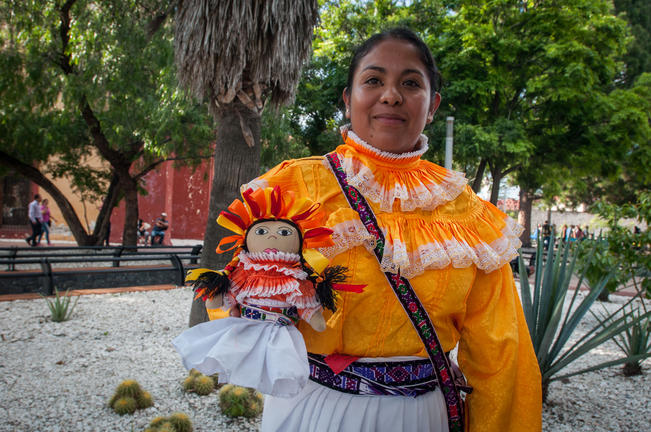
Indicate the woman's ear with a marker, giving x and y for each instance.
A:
(346, 99)
(434, 105)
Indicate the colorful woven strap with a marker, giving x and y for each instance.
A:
(402, 378)
(410, 302)
(280, 316)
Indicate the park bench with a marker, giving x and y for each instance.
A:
(529, 259)
(41, 270)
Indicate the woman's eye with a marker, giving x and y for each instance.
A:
(372, 81)
(412, 83)
(261, 231)
(285, 232)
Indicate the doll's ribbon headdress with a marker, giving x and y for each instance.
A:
(270, 203)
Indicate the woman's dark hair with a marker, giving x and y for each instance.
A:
(403, 34)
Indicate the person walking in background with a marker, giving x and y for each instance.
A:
(46, 222)
(547, 233)
(564, 234)
(35, 218)
(160, 226)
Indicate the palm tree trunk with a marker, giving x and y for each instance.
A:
(235, 163)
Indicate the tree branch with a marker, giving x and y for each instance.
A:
(510, 170)
(155, 164)
(37, 177)
(65, 58)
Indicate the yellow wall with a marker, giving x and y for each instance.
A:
(86, 211)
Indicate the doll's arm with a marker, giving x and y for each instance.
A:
(317, 322)
(214, 302)
(210, 285)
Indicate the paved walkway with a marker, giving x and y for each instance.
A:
(34, 296)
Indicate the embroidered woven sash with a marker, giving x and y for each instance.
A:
(279, 316)
(407, 297)
(402, 378)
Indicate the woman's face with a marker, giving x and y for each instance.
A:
(390, 103)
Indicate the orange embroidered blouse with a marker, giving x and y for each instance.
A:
(453, 247)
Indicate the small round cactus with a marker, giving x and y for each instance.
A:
(166, 427)
(129, 388)
(188, 384)
(157, 421)
(203, 385)
(199, 383)
(215, 380)
(125, 405)
(129, 397)
(177, 422)
(236, 401)
(181, 422)
(144, 400)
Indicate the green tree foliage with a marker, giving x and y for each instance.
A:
(638, 58)
(84, 78)
(527, 82)
(525, 77)
(630, 247)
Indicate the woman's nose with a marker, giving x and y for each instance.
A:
(391, 95)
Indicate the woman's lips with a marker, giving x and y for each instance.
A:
(271, 250)
(390, 119)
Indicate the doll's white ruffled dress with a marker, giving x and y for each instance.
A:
(262, 349)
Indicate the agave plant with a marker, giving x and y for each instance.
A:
(635, 340)
(60, 309)
(551, 327)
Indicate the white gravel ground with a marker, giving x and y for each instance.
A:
(59, 376)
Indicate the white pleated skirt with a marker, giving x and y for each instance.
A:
(320, 409)
(256, 354)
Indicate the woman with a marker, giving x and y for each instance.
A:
(452, 247)
(46, 222)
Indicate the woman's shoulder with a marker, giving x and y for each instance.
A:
(299, 175)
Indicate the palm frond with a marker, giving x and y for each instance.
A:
(243, 48)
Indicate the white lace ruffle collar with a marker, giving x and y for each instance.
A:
(421, 146)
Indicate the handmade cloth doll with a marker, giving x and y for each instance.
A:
(276, 277)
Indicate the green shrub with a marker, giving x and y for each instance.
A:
(596, 261)
(128, 397)
(236, 401)
(60, 309)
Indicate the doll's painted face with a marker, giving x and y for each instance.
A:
(273, 236)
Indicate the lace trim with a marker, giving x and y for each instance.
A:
(258, 288)
(433, 255)
(258, 183)
(278, 261)
(427, 196)
(458, 253)
(421, 146)
(346, 235)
